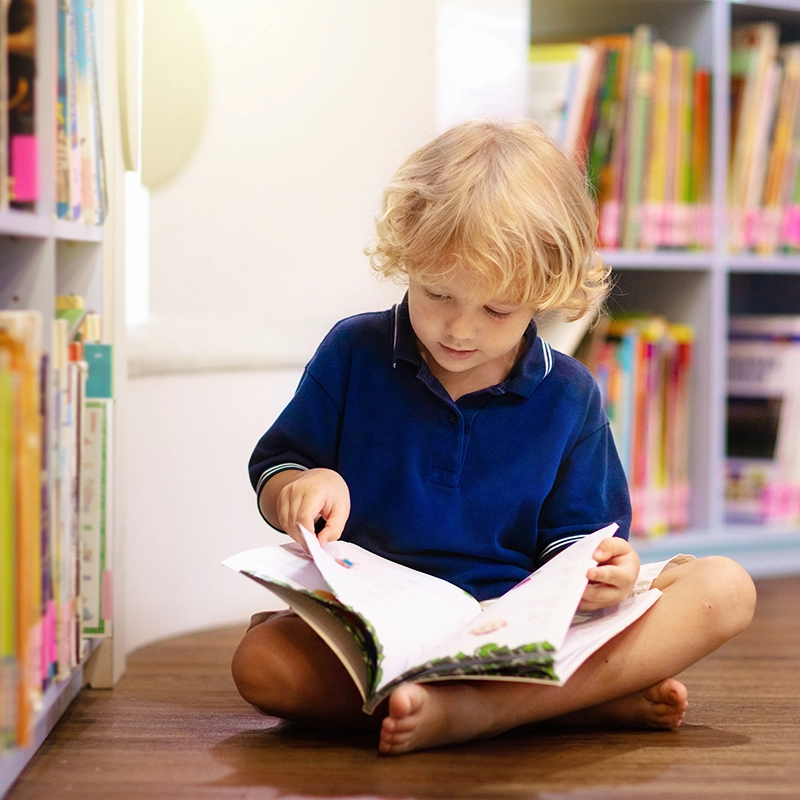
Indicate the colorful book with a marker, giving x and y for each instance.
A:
(94, 519)
(639, 114)
(23, 157)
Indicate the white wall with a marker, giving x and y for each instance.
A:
(189, 502)
(312, 105)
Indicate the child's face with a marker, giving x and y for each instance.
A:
(469, 341)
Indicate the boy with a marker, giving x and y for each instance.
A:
(445, 435)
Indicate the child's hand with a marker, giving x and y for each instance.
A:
(612, 580)
(314, 494)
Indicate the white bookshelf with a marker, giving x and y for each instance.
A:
(699, 288)
(41, 257)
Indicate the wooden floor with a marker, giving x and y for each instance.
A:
(175, 728)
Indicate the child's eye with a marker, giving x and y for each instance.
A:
(433, 295)
(497, 314)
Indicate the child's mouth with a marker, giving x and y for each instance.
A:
(456, 354)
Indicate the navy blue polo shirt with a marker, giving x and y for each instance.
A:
(479, 491)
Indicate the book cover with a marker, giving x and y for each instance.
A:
(85, 97)
(73, 124)
(9, 662)
(660, 135)
(23, 159)
(63, 154)
(4, 176)
(20, 339)
(94, 517)
(639, 102)
(611, 185)
(702, 232)
(552, 75)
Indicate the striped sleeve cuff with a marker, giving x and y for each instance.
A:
(265, 476)
(559, 544)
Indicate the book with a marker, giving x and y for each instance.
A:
(554, 73)
(763, 420)
(639, 100)
(20, 349)
(23, 160)
(63, 152)
(9, 663)
(94, 518)
(85, 98)
(389, 624)
(3, 105)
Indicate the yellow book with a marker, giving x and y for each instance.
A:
(658, 150)
(20, 337)
(9, 667)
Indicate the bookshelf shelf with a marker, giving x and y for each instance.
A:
(672, 259)
(55, 702)
(42, 257)
(699, 287)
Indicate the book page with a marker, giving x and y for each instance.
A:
(538, 610)
(588, 632)
(288, 564)
(408, 612)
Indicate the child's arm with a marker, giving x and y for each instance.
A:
(612, 580)
(294, 497)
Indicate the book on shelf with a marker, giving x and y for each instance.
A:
(20, 361)
(763, 420)
(94, 519)
(634, 111)
(21, 142)
(80, 167)
(389, 624)
(3, 105)
(643, 367)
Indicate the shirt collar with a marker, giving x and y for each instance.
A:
(532, 367)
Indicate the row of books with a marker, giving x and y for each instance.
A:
(81, 192)
(643, 366)
(55, 416)
(635, 112)
(764, 174)
(763, 458)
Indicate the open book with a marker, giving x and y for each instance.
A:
(390, 624)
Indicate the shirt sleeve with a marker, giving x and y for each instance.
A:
(590, 492)
(305, 435)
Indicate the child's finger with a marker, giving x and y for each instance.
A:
(610, 548)
(334, 524)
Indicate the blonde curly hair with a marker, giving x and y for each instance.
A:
(502, 200)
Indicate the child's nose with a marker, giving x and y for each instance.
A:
(460, 326)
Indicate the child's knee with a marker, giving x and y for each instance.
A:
(244, 668)
(253, 671)
(729, 594)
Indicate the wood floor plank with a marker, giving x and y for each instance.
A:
(176, 728)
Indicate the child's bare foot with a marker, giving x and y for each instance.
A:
(421, 716)
(659, 706)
